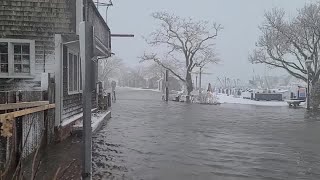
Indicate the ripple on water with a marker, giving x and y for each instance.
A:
(150, 139)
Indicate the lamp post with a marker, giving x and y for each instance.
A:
(308, 66)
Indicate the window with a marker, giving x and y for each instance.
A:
(74, 73)
(4, 57)
(21, 58)
(16, 58)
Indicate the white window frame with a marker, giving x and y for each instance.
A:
(79, 90)
(11, 73)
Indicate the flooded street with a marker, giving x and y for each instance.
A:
(150, 139)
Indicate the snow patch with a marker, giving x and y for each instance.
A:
(96, 120)
(140, 89)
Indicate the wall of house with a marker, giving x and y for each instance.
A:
(72, 103)
(40, 20)
(36, 20)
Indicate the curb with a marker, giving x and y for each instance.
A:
(101, 123)
(78, 130)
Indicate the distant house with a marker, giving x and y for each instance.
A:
(39, 37)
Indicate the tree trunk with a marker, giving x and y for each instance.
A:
(315, 95)
(189, 86)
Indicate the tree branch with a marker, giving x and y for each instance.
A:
(156, 60)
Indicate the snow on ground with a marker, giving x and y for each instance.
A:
(96, 119)
(139, 89)
(223, 98)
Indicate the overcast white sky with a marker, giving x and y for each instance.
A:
(240, 19)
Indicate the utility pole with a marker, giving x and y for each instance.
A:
(167, 85)
(86, 50)
(86, 53)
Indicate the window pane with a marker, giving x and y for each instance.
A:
(25, 49)
(17, 68)
(70, 72)
(26, 68)
(75, 73)
(4, 68)
(17, 59)
(26, 59)
(3, 47)
(17, 49)
(4, 58)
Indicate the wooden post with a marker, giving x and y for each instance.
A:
(308, 91)
(196, 82)
(109, 99)
(86, 51)
(167, 85)
(49, 114)
(200, 78)
(58, 79)
(45, 96)
(18, 132)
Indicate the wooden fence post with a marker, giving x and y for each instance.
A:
(167, 85)
(49, 114)
(17, 140)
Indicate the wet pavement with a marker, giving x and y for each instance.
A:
(151, 139)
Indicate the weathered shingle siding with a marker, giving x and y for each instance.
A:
(40, 20)
(37, 20)
(72, 104)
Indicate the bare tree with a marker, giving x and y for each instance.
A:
(186, 44)
(133, 77)
(288, 44)
(154, 70)
(109, 67)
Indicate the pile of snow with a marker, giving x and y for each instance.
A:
(207, 98)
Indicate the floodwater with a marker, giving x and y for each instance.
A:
(151, 139)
